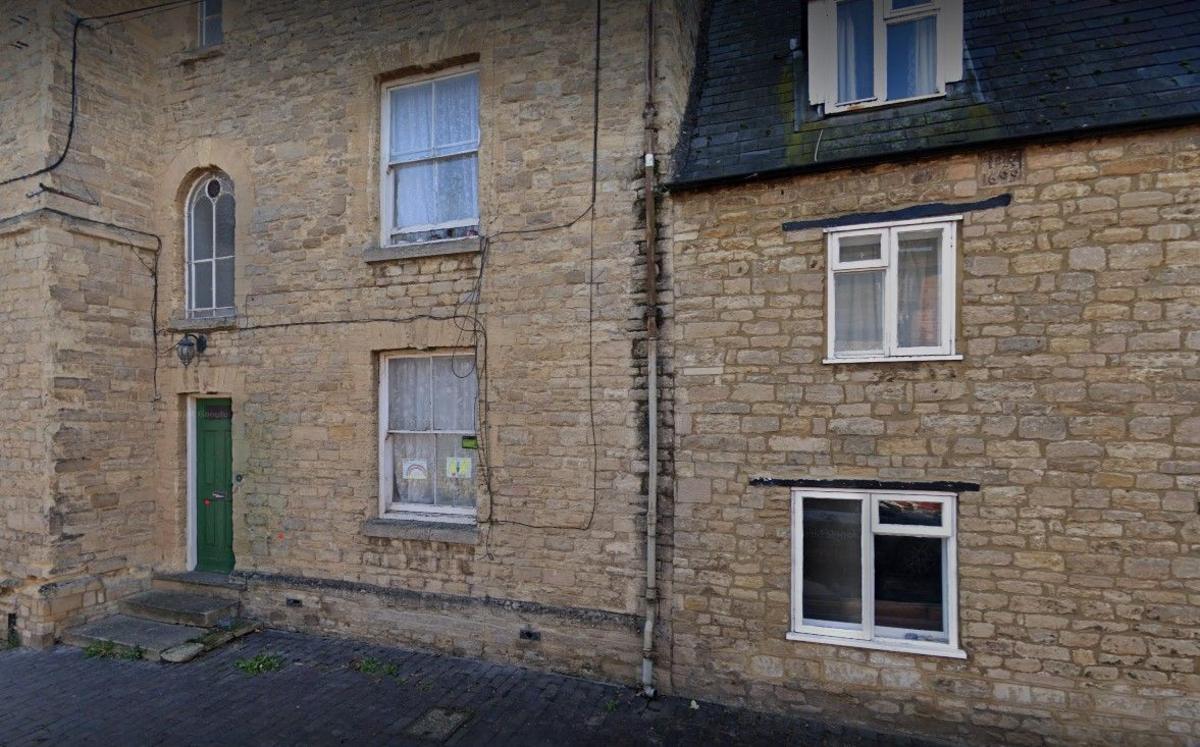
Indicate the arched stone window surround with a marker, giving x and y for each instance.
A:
(210, 247)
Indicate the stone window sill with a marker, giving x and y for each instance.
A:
(189, 56)
(202, 324)
(454, 534)
(894, 359)
(466, 245)
(902, 647)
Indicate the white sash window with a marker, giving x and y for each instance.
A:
(428, 450)
(430, 160)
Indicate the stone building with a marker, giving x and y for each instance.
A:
(343, 313)
(230, 182)
(936, 404)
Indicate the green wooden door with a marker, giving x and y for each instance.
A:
(214, 485)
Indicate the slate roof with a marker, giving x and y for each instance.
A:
(1031, 69)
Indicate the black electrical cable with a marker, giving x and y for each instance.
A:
(590, 210)
(152, 268)
(79, 22)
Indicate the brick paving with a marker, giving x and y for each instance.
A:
(321, 696)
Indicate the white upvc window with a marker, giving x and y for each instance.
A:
(427, 436)
(210, 29)
(891, 291)
(429, 170)
(875, 570)
(866, 53)
(209, 237)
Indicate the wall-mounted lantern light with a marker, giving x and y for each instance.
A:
(188, 346)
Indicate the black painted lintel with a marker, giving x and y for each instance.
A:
(930, 210)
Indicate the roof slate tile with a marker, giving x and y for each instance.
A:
(1029, 69)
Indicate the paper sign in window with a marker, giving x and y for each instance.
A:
(458, 468)
(415, 469)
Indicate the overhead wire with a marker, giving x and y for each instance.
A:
(75, 26)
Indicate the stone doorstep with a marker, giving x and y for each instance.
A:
(155, 640)
(200, 583)
(179, 608)
(133, 634)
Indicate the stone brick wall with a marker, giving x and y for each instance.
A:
(77, 501)
(24, 459)
(24, 76)
(102, 397)
(1075, 408)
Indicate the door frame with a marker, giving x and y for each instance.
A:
(192, 518)
(191, 481)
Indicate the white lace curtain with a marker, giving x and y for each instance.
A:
(434, 133)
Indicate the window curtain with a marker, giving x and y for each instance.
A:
(434, 140)
(919, 299)
(912, 58)
(432, 402)
(858, 311)
(856, 54)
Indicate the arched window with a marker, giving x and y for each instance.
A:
(210, 223)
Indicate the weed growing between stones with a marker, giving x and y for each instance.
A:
(375, 667)
(110, 650)
(256, 665)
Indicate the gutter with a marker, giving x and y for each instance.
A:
(649, 190)
(688, 185)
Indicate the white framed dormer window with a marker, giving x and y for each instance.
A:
(429, 171)
(210, 248)
(875, 570)
(891, 291)
(210, 29)
(426, 426)
(865, 53)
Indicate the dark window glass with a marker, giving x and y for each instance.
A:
(832, 561)
(908, 583)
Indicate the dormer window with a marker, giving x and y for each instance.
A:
(866, 53)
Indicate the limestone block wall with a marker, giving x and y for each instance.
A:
(24, 77)
(102, 396)
(1075, 408)
(77, 501)
(25, 517)
(114, 148)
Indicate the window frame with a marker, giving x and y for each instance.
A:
(822, 47)
(868, 637)
(416, 511)
(387, 205)
(889, 234)
(189, 261)
(202, 16)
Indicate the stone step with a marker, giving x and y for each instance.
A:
(132, 635)
(200, 582)
(179, 608)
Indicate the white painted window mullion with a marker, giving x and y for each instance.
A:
(868, 571)
(891, 292)
(880, 52)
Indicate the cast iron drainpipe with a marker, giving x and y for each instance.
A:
(649, 189)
